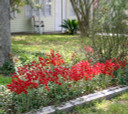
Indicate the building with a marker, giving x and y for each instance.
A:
(52, 13)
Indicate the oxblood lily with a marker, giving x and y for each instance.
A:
(53, 69)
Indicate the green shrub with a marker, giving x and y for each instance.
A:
(71, 26)
(5, 99)
(7, 68)
(121, 76)
(109, 47)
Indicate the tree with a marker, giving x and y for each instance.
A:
(82, 10)
(111, 22)
(5, 41)
(15, 4)
(5, 34)
(111, 17)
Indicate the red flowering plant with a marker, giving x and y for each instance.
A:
(75, 58)
(121, 72)
(89, 49)
(90, 54)
(47, 74)
(32, 75)
(88, 71)
(53, 69)
(60, 81)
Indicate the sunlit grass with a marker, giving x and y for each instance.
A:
(117, 105)
(43, 43)
(124, 96)
(28, 45)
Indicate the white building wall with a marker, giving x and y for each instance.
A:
(70, 14)
(21, 23)
(24, 24)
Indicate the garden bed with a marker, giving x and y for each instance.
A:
(46, 79)
(50, 81)
(67, 106)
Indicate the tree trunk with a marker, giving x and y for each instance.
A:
(82, 9)
(83, 29)
(5, 41)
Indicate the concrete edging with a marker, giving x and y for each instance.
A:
(107, 93)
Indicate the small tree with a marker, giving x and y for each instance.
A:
(82, 10)
(111, 22)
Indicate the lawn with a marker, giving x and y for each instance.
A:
(26, 47)
(117, 105)
(43, 43)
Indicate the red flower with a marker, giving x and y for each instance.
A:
(53, 68)
(88, 49)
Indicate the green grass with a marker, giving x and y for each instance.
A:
(43, 43)
(4, 80)
(117, 105)
(29, 47)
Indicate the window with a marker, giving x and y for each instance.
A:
(35, 11)
(46, 9)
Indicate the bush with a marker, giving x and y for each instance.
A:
(109, 31)
(5, 99)
(121, 76)
(109, 47)
(7, 68)
(71, 26)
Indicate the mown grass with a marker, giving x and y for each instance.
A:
(117, 105)
(43, 43)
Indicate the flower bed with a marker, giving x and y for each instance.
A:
(53, 69)
(50, 81)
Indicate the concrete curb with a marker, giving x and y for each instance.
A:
(107, 94)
